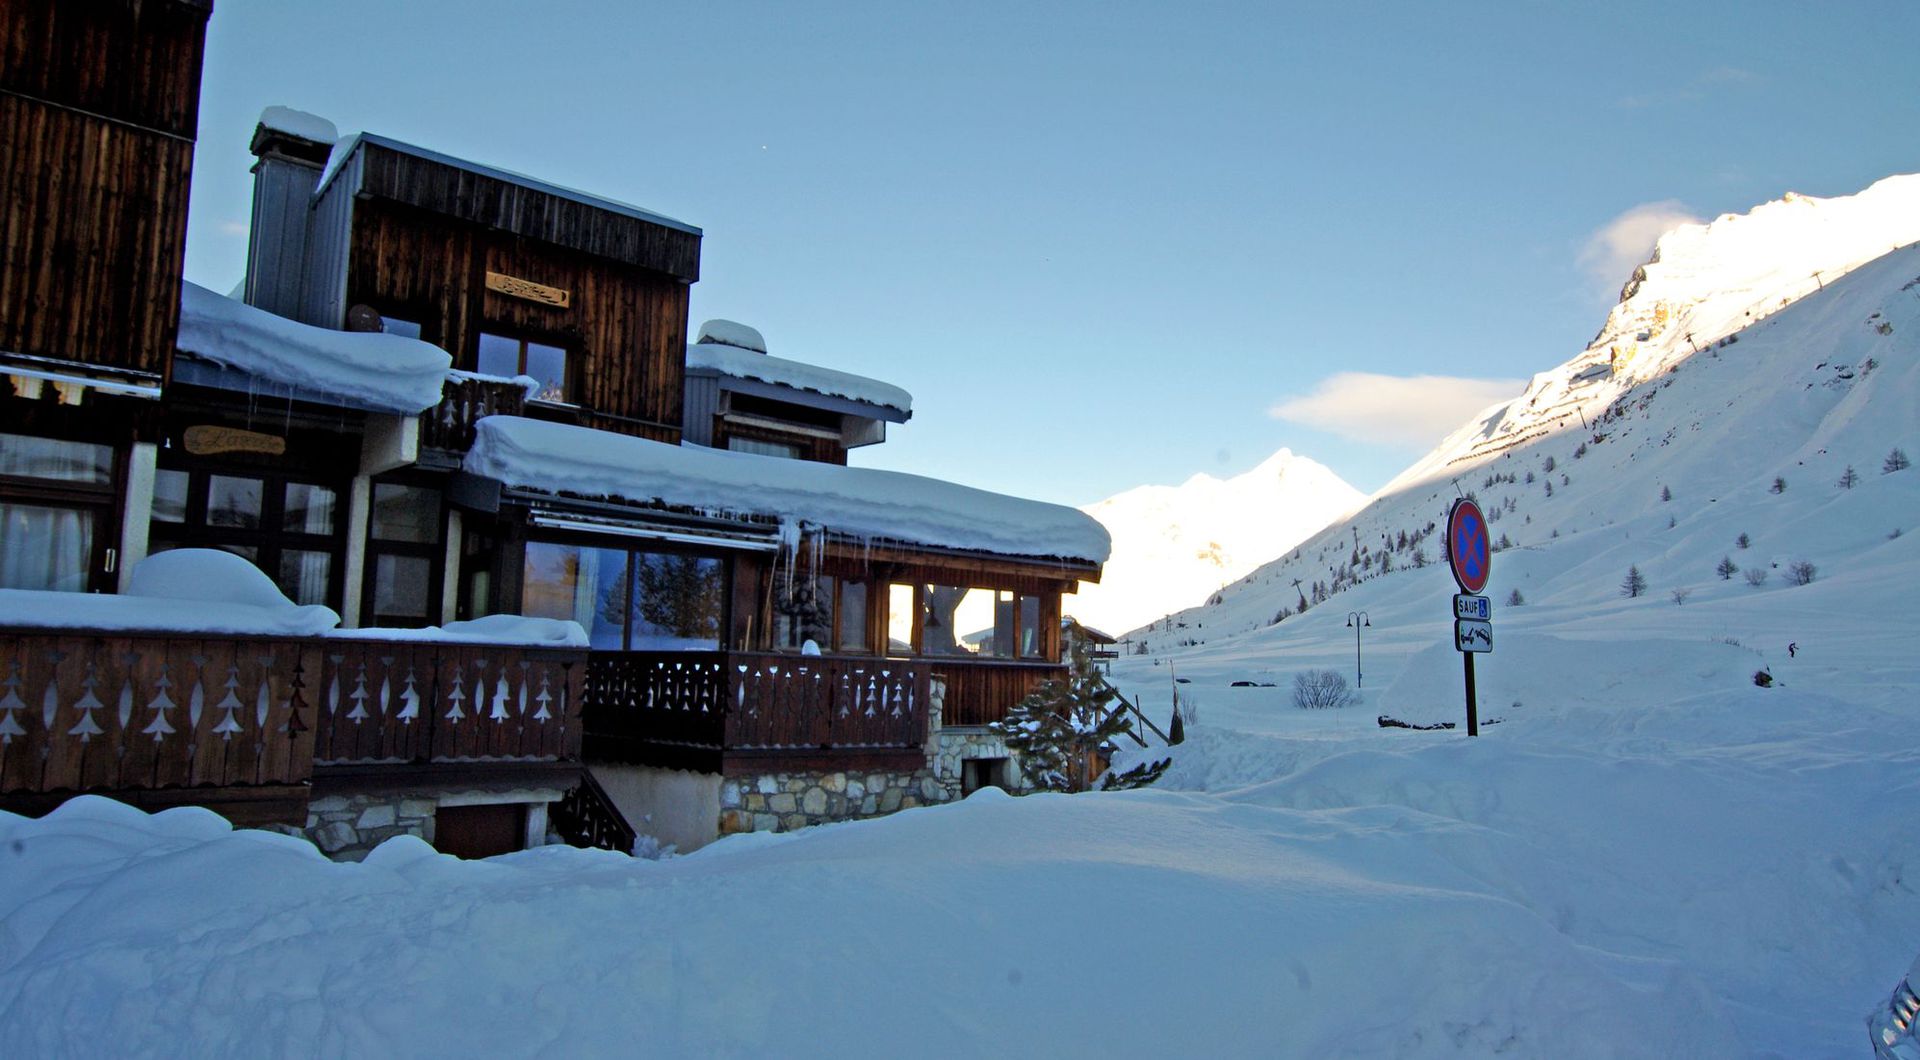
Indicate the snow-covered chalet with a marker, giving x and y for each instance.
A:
(472, 536)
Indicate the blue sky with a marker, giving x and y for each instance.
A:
(1102, 243)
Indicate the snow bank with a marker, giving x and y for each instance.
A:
(299, 123)
(493, 629)
(745, 364)
(863, 502)
(386, 373)
(189, 590)
(730, 333)
(1229, 929)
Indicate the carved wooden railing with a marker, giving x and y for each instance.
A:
(417, 701)
(448, 426)
(142, 712)
(761, 702)
(980, 691)
(81, 713)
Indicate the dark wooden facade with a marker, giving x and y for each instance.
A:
(98, 110)
(624, 329)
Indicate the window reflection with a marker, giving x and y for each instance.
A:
(643, 601)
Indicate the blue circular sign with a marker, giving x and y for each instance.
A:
(1469, 550)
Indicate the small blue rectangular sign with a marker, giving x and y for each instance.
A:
(1465, 606)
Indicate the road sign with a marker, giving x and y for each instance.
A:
(1472, 634)
(1469, 552)
(1472, 607)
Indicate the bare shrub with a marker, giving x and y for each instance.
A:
(1800, 572)
(1320, 689)
(1680, 596)
(1756, 576)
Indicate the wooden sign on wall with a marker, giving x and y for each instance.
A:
(515, 287)
(206, 440)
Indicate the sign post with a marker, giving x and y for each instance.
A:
(1470, 558)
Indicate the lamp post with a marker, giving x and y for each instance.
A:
(1355, 621)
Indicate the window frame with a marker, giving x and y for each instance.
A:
(571, 358)
(270, 539)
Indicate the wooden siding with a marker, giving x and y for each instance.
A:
(812, 447)
(93, 222)
(528, 212)
(979, 693)
(625, 330)
(131, 61)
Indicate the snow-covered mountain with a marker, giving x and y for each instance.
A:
(1748, 366)
(1174, 546)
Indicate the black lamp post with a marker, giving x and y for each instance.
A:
(1356, 620)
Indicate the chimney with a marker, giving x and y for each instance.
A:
(292, 147)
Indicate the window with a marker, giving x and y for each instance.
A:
(628, 599)
(56, 499)
(763, 448)
(393, 325)
(505, 355)
(403, 555)
(289, 528)
(960, 620)
(828, 611)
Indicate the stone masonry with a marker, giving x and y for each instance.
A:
(347, 827)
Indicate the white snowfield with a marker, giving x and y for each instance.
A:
(1173, 546)
(863, 502)
(371, 370)
(1645, 855)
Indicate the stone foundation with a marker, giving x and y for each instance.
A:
(782, 802)
(346, 827)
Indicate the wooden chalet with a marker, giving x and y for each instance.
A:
(454, 392)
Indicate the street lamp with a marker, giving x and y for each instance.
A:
(1355, 621)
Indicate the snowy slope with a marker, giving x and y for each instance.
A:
(1173, 546)
(1806, 390)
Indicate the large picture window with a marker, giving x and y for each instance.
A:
(507, 355)
(961, 620)
(55, 499)
(288, 527)
(830, 612)
(628, 599)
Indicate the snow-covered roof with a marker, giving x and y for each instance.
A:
(731, 333)
(365, 370)
(739, 363)
(862, 502)
(299, 123)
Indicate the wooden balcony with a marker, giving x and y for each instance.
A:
(447, 428)
(744, 712)
(979, 691)
(245, 724)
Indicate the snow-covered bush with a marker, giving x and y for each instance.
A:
(1320, 689)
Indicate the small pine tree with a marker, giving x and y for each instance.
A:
(1727, 568)
(1742, 541)
(1548, 466)
(1514, 599)
(1634, 584)
(1059, 726)
(1779, 485)
(1896, 461)
(1848, 479)
(1665, 494)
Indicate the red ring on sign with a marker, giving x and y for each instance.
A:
(1469, 547)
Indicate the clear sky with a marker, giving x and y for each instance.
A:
(1109, 244)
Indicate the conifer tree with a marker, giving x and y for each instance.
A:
(1634, 584)
(1059, 726)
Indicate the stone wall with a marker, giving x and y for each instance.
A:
(346, 827)
(782, 802)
